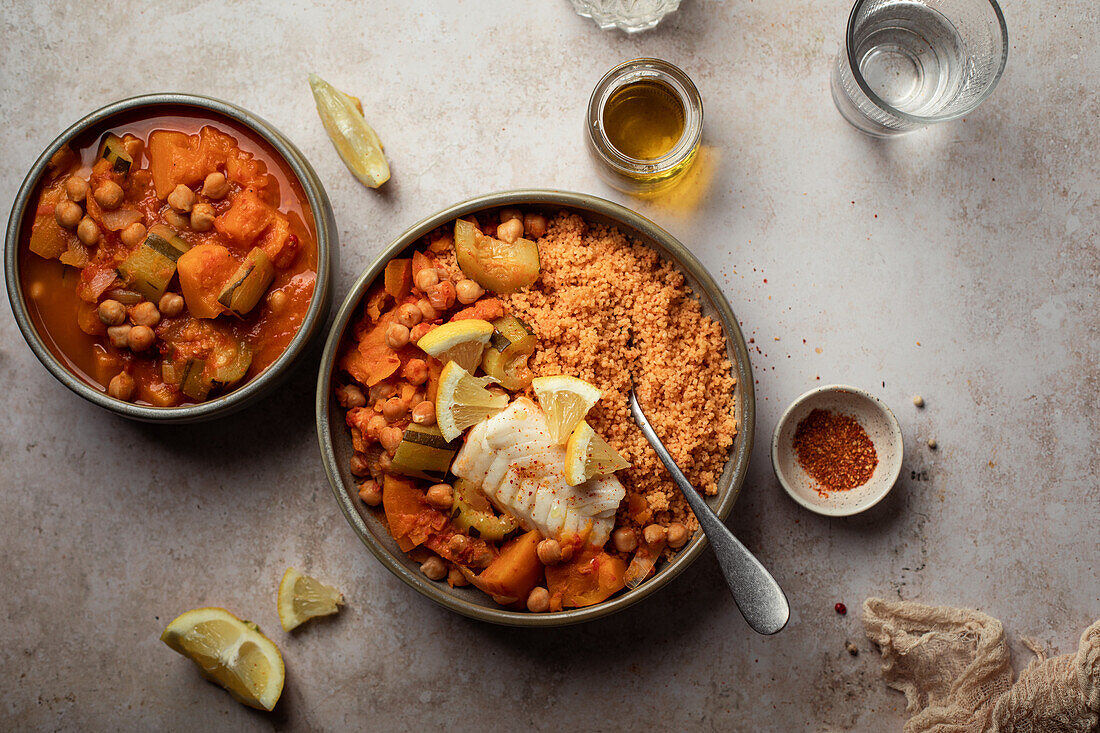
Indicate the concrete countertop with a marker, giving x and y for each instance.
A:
(959, 263)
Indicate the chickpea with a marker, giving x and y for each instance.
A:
(141, 338)
(133, 235)
(409, 315)
(68, 214)
(215, 186)
(375, 426)
(424, 413)
(176, 220)
(394, 409)
(202, 217)
(182, 199)
(468, 291)
(456, 578)
(538, 601)
(654, 534)
(390, 438)
(441, 496)
(381, 391)
(434, 568)
(458, 542)
(171, 305)
(384, 463)
(76, 188)
(112, 313)
(534, 225)
(145, 314)
(350, 396)
(119, 336)
(370, 493)
(416, 371)
(360, 465)
(108, 195)
(510, 231)
(426, 278)
(442, 295)
(509, 214)
(397, 336)
(37, 290)
(419, 331)
(87, 231)
(624, 539)
(276, 300)
(677, 535)
(427, 310)
(121, 387)
(549, 551)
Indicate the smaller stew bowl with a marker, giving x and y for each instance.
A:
(280, 147)
(335, 442)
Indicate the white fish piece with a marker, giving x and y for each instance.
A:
(511, 457)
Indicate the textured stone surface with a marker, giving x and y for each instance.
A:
(959, 263)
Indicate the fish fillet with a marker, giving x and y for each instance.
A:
(511, 457)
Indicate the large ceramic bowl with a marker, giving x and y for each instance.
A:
(335, 440)
(155, 104)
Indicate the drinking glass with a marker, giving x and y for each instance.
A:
(909, 63)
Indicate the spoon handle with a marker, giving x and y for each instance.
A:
(757, 595)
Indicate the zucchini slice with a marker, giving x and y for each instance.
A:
(230, 361)
(510, 346)
(472, 514)
(151, 267)
(249, 283)
(425, 453)
(114, 152)
(194, 383)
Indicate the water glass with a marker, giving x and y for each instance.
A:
(910, 63)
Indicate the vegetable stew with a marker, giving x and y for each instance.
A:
(170, 259)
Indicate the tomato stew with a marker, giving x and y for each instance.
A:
(171, 258)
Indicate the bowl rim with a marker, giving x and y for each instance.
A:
(895, 434)
(683, 260)
(314, 319)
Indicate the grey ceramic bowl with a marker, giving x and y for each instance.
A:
(154, 104)
(335, 440)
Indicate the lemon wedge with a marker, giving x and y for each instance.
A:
(355, 140)
(462, 401)
(588, 455)
(231, 652)
(302, 598)
(461, 342)
(565, 400)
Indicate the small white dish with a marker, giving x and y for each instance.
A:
(877, 421)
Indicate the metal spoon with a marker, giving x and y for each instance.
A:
(757, 595)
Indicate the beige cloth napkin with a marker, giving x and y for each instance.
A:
(955, 669)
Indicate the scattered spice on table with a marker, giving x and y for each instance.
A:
(835, 450)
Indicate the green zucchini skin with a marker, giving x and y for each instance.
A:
(424, 453)
(113, 151)
(150, 268)
(249, 283)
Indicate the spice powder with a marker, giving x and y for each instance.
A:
(835, 450)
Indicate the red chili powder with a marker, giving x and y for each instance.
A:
(834, 450)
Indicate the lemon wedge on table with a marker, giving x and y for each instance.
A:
(565, 400)
(302, 598)
(356, 141)
(462, 401)
(231, 652)
(461, 342)
(587, 455)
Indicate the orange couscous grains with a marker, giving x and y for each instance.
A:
(607, 309)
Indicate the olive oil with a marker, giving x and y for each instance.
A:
(644, 120)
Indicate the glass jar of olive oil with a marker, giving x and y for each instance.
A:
(645, 119)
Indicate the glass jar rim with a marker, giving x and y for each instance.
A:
(654, 70)
(857, 75)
